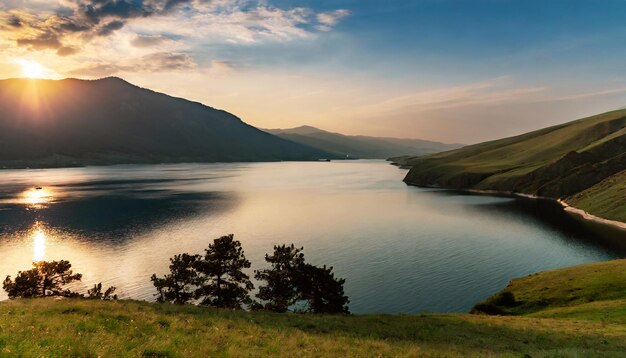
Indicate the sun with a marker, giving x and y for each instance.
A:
(33, 69)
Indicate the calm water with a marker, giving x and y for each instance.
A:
(401, 249)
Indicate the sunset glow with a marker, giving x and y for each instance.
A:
(423, 81)
(37, 197)
(32, 69)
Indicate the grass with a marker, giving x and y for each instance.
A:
(533, 163)
(61, 328)
(572, 312)
(569, 291)
(605, 199)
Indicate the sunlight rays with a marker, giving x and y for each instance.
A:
(35, 70)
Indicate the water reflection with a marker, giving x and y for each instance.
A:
(37, 197)
(401, 249)
(39, 245)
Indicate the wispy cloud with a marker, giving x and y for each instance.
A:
(155, 62)
(329, 19)
(487, 92)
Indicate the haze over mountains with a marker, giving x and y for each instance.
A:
(46, 123)
(362, 147)
(582, 162)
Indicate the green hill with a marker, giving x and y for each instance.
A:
(564, 161)
(362, 147)
(572, 312)
(591, 292)
(46, 123)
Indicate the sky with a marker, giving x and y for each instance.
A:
(451, 71)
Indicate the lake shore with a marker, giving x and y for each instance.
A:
(579, 213)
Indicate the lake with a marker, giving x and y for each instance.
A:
(400, 248)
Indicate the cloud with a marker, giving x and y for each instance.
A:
(67, 51)
(487, 92)
(326, 20)
(14, 21)
(111, 27)
(73, 23)
(154, 62)
(44, 41)
(149, 40)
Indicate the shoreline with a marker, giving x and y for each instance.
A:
(582, 214)
(590, 217)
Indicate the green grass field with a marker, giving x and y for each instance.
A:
(572, 289)
(574, 312)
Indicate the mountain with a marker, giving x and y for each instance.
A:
(581, 162)
(362, 147)
(47, 123)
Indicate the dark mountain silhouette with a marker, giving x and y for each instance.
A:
(46, 123)
(363, 147)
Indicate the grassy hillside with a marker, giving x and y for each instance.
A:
(592, 291)
(573, 312)
(555, 162)
(46, 327)
(363, 147)
(606, 199)
(46, 123)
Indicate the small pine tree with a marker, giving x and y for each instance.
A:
(44, 279)
(321, 290)
(96, 293)
(180, 285)
(221, 270)
(281, 290)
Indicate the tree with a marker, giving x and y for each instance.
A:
(96, 293)
(321, 290)
(180, 285)
(224, 283)
(281, 290)
(291, 280)
(44, 279)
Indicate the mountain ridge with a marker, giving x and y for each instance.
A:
(73, 122)
(360, 146)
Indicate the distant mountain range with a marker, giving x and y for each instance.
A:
(581, 162)
(46, 123)
(362, 147)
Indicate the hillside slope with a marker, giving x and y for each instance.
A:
(573, 312)
(109, 121)
(362, 147)
(592, 291)
(555, 162)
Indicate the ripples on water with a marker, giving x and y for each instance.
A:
(401, 249)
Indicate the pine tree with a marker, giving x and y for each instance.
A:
(44, 279)
(321, 290)
(221, 271)
(281, 290)
(180, 285)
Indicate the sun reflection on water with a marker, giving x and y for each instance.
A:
(39, 245)
(37, 197)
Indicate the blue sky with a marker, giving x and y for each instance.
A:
(456, 71)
